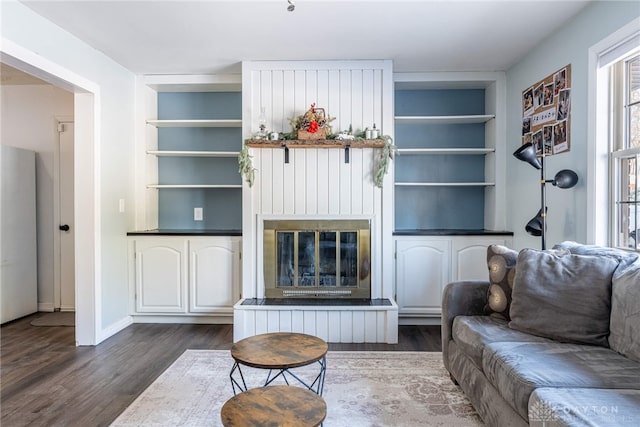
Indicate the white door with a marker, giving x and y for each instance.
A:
(214, 278)
(161, 275)
(422, 271)
(66, 228)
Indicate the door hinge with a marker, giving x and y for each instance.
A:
(61, 127)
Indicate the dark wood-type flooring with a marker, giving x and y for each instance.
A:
(45, 380)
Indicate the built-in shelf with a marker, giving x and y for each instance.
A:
(168, 153)
(194, 186)
(445, 184)
(195, 123)
(421, 120)
(463, 151)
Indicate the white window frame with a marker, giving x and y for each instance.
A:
(599, 186)
(619, 141)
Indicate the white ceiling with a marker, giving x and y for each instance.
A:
(214, 36)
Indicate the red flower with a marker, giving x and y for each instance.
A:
(313, 127)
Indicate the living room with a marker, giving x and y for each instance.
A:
(110, 165)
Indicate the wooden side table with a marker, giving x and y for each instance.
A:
(279, 352)
(279, 405)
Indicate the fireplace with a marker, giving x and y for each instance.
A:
(317, 259)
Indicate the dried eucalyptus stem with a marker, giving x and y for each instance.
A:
(386, 155)
(245, 165)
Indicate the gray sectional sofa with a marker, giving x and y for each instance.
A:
(551, 339)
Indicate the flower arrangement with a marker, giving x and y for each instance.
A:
(313, 124)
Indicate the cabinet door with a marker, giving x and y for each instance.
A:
(470, 256)
(160, 275)
(214, 281)
(422, 271)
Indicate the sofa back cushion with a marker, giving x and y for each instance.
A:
(624, 324)
(501, 262)
(563, 296)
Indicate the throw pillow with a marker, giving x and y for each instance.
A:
(563, 296)
(501, 262)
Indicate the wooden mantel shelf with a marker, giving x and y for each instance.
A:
(316, 143)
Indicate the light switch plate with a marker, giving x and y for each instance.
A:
(197, 214)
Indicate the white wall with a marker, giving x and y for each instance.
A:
(28, 115)
(567, 217)
(30, 31)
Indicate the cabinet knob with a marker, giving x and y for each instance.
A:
(64, 227)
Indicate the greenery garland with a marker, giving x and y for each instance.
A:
(386, 155)
(245, 165)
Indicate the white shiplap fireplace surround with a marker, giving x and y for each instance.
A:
(318, 183)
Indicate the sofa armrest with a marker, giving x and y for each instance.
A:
(464, 298)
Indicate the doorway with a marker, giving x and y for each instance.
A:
(64, 291)
(86, 183)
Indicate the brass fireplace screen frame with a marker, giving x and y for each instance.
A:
(362, 288)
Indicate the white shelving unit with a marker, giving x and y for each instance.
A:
(437, 149)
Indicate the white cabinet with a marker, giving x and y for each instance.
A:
(185, 275)
(422, 267)
(425, 264)
(160, 275)
(214, 281)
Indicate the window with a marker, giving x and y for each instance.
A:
(625, 152)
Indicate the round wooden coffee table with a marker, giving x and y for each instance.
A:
(277, 405)
(279, 352)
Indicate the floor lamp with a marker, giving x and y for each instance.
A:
(564, 179)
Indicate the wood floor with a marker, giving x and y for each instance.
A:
(45, 380)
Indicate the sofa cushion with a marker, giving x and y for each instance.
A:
(517, 369)
(563, 296)
(501, 262)
(473, 333)
(584, 407)
(625, 313)
(625, 258)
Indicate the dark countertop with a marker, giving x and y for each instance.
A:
(165, 232)
(452, 232)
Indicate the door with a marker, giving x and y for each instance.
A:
(67, 294)
(214, 278)
(161, 275)
(422, 271)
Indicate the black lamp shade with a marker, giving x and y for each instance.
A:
(527, 153)
(534, 227)
(565, 179)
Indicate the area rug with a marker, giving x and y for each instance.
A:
(56, 318)
(361, 389)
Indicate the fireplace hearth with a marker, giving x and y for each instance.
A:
(328, 259)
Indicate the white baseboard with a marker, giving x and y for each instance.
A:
(67, 308)
(419, 321)
(205, 320)
(46, 306)
(114, 328)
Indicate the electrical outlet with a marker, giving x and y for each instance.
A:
(197, 214)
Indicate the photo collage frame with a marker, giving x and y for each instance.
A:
(546, 113)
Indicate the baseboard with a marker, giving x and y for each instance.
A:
(419, 321)
(67, 308)
(207, 320)
(114, 328)
(46, 306)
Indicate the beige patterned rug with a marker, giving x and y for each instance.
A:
(361, 389)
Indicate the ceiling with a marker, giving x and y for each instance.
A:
(215, 36)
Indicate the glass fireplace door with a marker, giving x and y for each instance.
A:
(316, 262)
